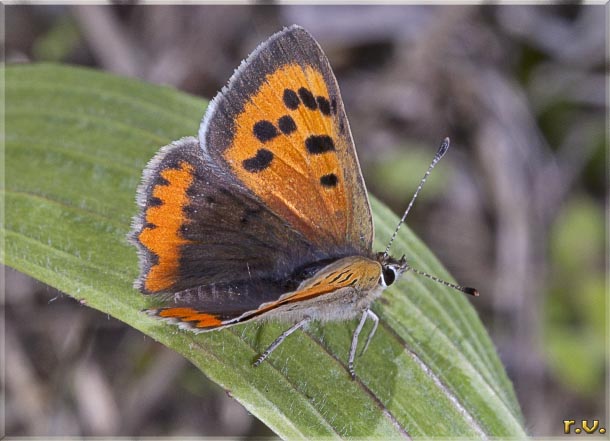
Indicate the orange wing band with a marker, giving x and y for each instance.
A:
(191, 315)
(161, 235)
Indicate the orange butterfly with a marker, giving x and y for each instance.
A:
(265, 214)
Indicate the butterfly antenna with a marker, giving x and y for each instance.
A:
(464, 289)
(437, 157)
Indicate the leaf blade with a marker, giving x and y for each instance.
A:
(71, 179)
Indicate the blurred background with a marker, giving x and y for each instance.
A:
(516, 209)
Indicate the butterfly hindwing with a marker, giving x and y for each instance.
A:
(280, 128)
(199, 227)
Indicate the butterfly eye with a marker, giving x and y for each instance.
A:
(388, 276)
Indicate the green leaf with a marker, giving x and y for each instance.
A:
(76, 143)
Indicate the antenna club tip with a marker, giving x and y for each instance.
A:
(472, 291)
(443, 148)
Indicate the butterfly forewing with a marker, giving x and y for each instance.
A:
(281, 130)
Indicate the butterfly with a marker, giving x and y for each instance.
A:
(265, 214)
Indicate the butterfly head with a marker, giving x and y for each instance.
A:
(391, 268)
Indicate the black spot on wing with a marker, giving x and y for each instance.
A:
(341, 274)
(291, 99)
(308, 99)
(286, 124)
(160, 180)
(329, 180)
(346, 278)
(154, 202)
(265, 131)
(318, 144)
(249, 214)
(259, 162)
(323, 105)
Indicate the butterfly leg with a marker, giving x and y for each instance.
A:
(375, 319)
(278, 341)
(352, 351)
